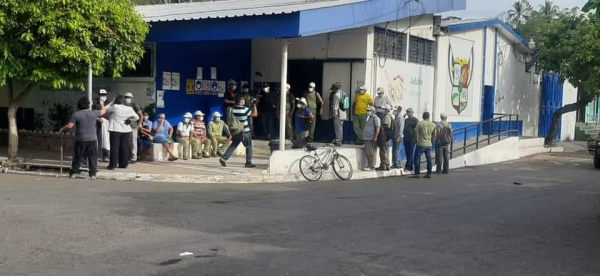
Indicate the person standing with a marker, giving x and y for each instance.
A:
(229, 97)
(383, 141)
(312, 99)
(362, 101)
(335, 112)
(201, 135)
(241, 114)
(121, 117)
(424, 134)
(102, 128)
(250, 103)
(410, 124)
(398, 139)
(370, 134)
(187, 137)
(381, 100)
(267, 107)
(134, 126)
(303, 118)
(289, 112)
(86, 139)
(444, 137)
(216, 128)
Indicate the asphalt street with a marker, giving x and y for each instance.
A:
(535, 216)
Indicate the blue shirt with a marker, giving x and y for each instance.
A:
(164, 132)
(148, 124)
(301, 123)
(242, 113)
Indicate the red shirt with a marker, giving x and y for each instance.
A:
(199, 127)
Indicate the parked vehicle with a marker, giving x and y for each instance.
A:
(593, 149)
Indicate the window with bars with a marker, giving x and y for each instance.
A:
(390, 44)
(421, 51)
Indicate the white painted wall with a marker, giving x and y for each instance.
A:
(518, 92)
(489, 57)
(568, 120)
(467, 46)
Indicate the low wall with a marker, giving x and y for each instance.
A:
(37, 140)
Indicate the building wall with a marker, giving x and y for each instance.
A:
(568, 120)
(518, 92)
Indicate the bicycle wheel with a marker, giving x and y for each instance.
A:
(310, 168)
(342, 167)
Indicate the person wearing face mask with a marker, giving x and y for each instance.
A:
(145, 133)
(102, 128)
(134, 125)
(370, 134)
(229, 98)
(289, 112)
(303, 118)
(381, 100)
(250, 103)
(186, 136)
(398, 139)
(383, 141)
(336, 113)
(410, 124)
(312, 98)
(121, 115)
(219, 135)
(361, 102)
(200, 133)
(267, 108)
(163, 131)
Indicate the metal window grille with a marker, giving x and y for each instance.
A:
(421, 51)
(390, 44)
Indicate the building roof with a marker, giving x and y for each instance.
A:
(233, 8)
(454, 26)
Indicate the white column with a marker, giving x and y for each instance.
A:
(435, 78)
(89, 86)
(282, 111)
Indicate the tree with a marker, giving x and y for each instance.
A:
(592, 5)
(159, 2)
(55, 41)
(549, 9)
(570, 48)
(519, 13)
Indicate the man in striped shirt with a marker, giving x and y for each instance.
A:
(242, 114)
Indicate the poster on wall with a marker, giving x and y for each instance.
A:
(150, 94)
(460, 73)
(407, 85)
(198, 87)
(175, 84)
(205, 87)
(221, 91)
(199, 73)
(166, 81)
(160, 99)
(213, 73)
(214, 87)
(190, 87)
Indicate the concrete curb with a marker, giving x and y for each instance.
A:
(213, 179)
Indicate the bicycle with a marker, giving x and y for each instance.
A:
(313, 165)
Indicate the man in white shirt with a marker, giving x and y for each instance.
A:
(382, 100)
(186, 136)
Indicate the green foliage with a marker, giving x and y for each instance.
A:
(592, 5)
(55, 40)
(59, 115)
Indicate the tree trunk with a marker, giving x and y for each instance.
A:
(581, 103)
(13, 105)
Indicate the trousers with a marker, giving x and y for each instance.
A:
(85, 150)
(338, 126)
(120, 144)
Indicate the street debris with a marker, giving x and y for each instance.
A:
(186, 254)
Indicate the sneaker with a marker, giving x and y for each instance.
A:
(105, 160)
(381, 168)
(214, 155)
(132, 161)
(222, 162)
(248, 165)
(428, 176)
(196, 157)
(206, 155)
(367, 169)
(337, 143)
(110, 168)
(93, 177)
(71, 176)
(415, 176)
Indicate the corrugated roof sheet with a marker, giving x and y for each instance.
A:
(232, 8)
(453, 22)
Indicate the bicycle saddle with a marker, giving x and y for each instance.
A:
(310, 147)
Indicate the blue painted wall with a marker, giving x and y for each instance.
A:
(552, 100)
(231, 58)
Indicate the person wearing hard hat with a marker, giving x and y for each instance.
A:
(304, 116)
(219, 134)
(186, 135)
(312, 98)
(134, 126)
(361, 102)
(201, 135)
(229, 97)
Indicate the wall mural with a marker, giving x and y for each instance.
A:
(460, 72)
(407, 84)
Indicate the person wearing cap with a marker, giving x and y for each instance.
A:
(383, 141)
(229, 98)
(312, 99)
(424, 134)
(250, 103)
(304, 116)
(444, 137)
(410, 123)
(219, 134)
(102, 128)
(267, 107)
(163, 131)
(186, 136)
(200, 135)
(381, 100)
(361, 102)
(335, 112)
(289, 112)
(397, 142)
(241, 114)
(370, 134)
(134, 126)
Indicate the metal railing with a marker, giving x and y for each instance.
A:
(495, 128)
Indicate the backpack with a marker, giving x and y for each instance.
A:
(385, 133)
(235, 126)
(344, 103)
(444, 136)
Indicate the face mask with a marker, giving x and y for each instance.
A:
(217, 119)
(242, 103)
(186, 120)
(146, 118)
(380, 95)
(245, 90)
(128, 101)
(162, 118)
(299, 106)
(233, 87)
(103, 98)
(266, 90)
(310, 89)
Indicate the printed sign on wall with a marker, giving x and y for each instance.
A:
(166, 81)
(175, 82)
(190, 87)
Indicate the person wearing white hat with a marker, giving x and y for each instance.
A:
(201, 135)
(289, 112)
(219, 134)
(444, 137)
(361, 102)
(304, 116)
(102, 128)
(186, 135)
(381, 100)
(134, 126)
(383, 140)
(312, 98)
(370, 134)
